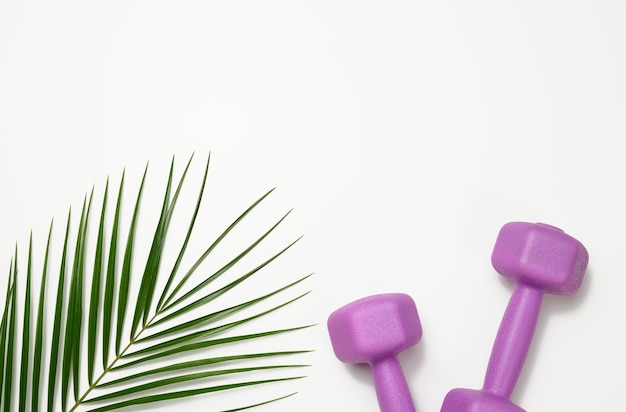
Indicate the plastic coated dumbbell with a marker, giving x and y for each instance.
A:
(540, 259)
(374, 330)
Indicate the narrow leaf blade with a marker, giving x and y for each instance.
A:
(154, 258)
(39, 330)
(197, 363)
(228, 266)
(8, 376)
(58, 317)
(208, 251)
(26, 331)
(3, 327)
(109, 289)
(187, 237)
(126, 268)
(208, 298)
(185, 378)
(202, 345)
(219, 314)
(185, 394)
(96, 292)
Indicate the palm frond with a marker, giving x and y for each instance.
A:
(103, 344)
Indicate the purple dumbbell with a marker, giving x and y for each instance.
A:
(540, 259)
(374, 330)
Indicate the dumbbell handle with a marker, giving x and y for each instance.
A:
(391, 388)
(513, 340)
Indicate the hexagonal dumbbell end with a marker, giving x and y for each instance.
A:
(374, 330)
(540, 255)
(540, 259)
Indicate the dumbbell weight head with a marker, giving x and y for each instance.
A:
(469, 400)
(374, 330)
(540, 255)
(374, 327)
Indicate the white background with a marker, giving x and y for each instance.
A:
(404, 134)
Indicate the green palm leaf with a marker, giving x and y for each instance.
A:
(96, 313)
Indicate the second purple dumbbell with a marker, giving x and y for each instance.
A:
(375, 330)
(540, 259)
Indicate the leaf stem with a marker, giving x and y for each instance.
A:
(119, 356)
